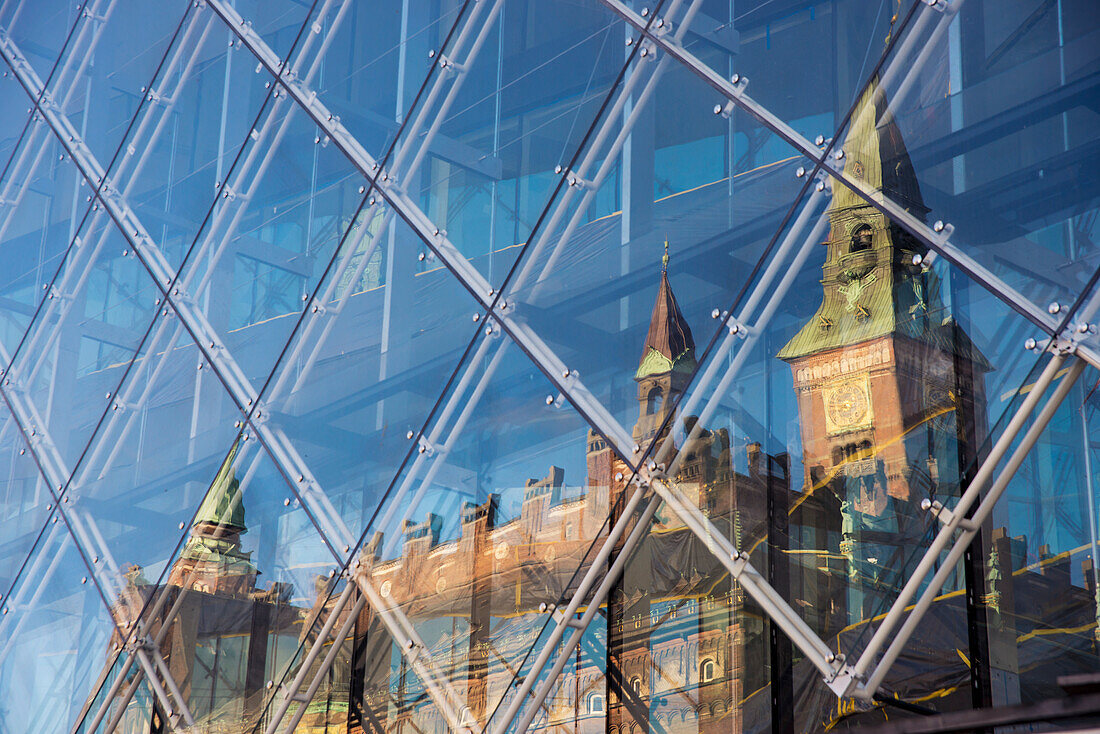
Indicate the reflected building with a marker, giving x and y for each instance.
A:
(890, 395)
(890, 388)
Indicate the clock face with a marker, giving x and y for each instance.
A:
(847, 406)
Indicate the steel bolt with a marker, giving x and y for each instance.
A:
(1029, 344)
(938, 226)
(1054, 308)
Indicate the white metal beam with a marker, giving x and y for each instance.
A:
(222, 361)
(936, 238)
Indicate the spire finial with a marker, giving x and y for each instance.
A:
(664, 260)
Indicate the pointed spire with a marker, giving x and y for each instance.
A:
(222, 504)
(668, 345)
(875, 154)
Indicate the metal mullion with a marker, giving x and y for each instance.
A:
(579, 596)
(1063, 352)
(66, 290)
(413, 650)
(431, 235)
(565, 620)
(969, 526)
(27, 147)
(749, 335)
(927, 46)
(116, 718)
(439, 452)
(322, 670)
(459, 70)
(738, 565)
(42, 582)
(54, 471)
(937, 241)
(307, 662)
(97, 688)
(39, 150)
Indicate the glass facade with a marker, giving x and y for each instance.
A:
(546, 365)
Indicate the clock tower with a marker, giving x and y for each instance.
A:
(888, 384)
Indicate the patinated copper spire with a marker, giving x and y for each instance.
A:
(668, 345)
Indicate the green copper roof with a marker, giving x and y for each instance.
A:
(223, 504)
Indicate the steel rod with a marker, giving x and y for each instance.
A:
(325, 666)
(311, 657)
(546, 685)
(931, 558)
(962, 542)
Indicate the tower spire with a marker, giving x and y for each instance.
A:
(669, 344)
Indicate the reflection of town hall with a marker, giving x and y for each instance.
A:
(889, 395)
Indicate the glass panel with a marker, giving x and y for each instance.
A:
(44, 202)
(376, 61)
(583, 698)
(94, 317)
(998, 113)
(490, 523)
(856, 385)
(1038, 555)
(804, 61)
(110, 703)
(147, 467)
(481, 164)
(41, 29)
(264, 255)
(368, 366)
(195, 136)
(596, 289)
(56, 634)
(101, 105)
(238, 593)
(688, 649)
(24, 503)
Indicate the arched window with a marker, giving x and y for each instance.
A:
(706, 671)
(636, 686)
(653, 401)
(861, 238)
(596, 703)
